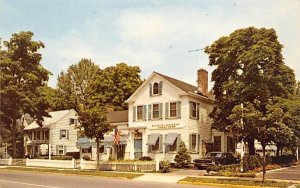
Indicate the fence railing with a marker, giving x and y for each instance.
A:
(6, 161)
(51, 163)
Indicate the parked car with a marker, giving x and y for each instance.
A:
(215, 158)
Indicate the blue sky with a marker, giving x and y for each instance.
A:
(156, 35)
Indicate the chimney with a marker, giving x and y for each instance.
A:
(203, 81)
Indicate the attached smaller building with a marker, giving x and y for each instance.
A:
(58, 132)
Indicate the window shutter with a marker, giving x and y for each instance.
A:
(190, 142)
(67, 132)
(149, 112)
(105, 149)
(149, 146)
(166, 146)
(65, 150)
(160, 110)
(198, 111)
(150, 89)
(160, 87)
(75, 122)
(167, 110)
(69, 121)
(144, 112)
(134, 113)
(178, 109)
(178, 141)
(59, 134)
(56, 149)
(161, 143)
(198, 143)
(191, 109)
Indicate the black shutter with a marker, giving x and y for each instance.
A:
(150, 89)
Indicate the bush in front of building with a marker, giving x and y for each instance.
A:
(164, 166)
(284, 160)
(182, 158)
(75, 155)
(145, 158)
(61, 157)
(250, 162)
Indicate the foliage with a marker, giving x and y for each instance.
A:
(145, 158)
(232, 168)
(250, 162)
(74, 85)
(22, 80)
(182, 158)
(115, 84)
(86, 157)
(75, 155)
(285, 160)
(164, 166)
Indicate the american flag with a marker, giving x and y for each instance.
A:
(117, 137)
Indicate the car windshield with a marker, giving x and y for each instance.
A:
(214, 155)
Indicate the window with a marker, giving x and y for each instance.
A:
(155, 88)
(173, 111)
(64, 134)
(139, 114)
(194, 110)
(72, 121)
(173, 147)
(155, 111)
(37, 133)
(30, 135)
(155, 148)
(193, 142)
(46, 135)
(60, 150)
(217, 143)
(230, 144)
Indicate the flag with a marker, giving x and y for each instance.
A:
(117, 137)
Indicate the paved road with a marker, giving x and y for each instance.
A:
(16, 179)
(291, 173)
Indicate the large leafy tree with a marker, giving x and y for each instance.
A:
(22, 80)
(115, 84)
(250, 71)
(73, 85)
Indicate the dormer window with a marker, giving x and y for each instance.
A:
(155, 89)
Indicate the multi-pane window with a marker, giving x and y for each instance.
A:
(193, 143)
(139, 113)
(72, 121)
(173, 112)
(60, 150)
(155, 112)
(63, 133)
(173, 147)
(193, 109)
(46, 135)
(217, 143)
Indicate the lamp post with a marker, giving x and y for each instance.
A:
(242, 144)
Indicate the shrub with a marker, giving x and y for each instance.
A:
(145, 158)
(230, 168)
(62, 157)
(250, 162)
(285, 160)
(182, 158)
(86, 158)
(75, 155)
(164, 166)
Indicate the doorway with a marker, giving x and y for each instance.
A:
(138, 146)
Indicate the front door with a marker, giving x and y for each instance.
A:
(138, 152)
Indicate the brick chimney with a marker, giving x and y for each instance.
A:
(203, 81)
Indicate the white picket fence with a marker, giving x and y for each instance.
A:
(6, 161)
(51, 163)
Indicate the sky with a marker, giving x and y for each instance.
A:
(166, 36)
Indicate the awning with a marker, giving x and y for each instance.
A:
(109, 140)
(84, 143)
(171, 137)
(152, 139)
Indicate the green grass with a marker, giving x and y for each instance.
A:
(195, 180)
(79, 172)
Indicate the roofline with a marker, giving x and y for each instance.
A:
(199, 96)
(146, 81)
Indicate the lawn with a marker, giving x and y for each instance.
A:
(238, 182)
(79, 172)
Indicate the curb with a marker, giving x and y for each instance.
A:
(219, 185)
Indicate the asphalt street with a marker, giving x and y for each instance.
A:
(17, 179)
(291, 173)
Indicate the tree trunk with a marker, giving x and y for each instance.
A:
(13, 138)
(263, 144)
(98, 158)
(251, 147)
(277, 151)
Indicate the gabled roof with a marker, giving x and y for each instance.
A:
(117, 116)
(55, 116)
(180, 84)
(185, 87)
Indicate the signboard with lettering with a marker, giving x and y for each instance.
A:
(166, 126)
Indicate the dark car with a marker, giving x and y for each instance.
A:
(215, 158)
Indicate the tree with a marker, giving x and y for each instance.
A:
(250, 72)
(117, 83)
(22, 79)
(182, 158)
(73, 85)
(93, 121)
